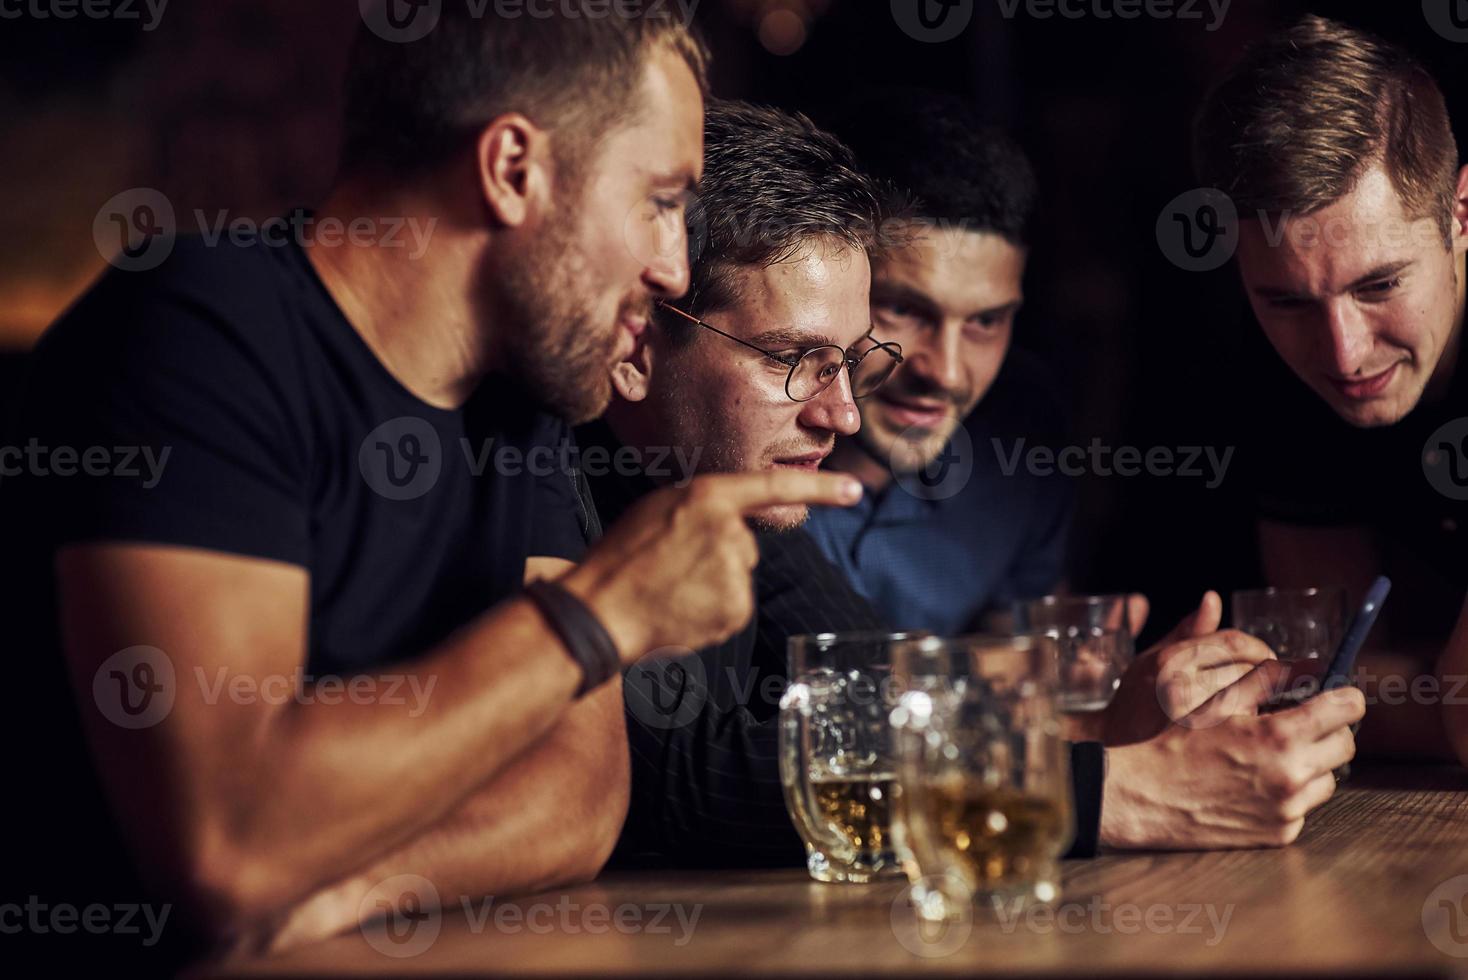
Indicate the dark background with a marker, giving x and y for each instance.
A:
(234, 103)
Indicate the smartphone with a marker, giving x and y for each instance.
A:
(1338, 671)
(1338, 674)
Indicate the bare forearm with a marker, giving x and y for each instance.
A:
(551, 818)
(336, 781)
(284, 793)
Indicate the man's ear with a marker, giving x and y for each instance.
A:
(1460, 213)
(632, 376)
(513, 157)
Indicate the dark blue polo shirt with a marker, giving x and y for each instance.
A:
(979, 528)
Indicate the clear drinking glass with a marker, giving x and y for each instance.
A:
(983, 772)
(836, 753)
(1297, 624)
(1096, 646)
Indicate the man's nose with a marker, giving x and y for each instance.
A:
(834, 409)
(1348, 336)
(666, 274)
(936, 358)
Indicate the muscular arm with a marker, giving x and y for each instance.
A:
(1296, 557)
(550, 818)
(242, 806)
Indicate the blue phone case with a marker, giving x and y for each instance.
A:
(1338, 674)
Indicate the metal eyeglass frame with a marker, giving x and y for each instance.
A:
(851, 362)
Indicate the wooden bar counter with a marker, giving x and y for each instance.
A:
(1377, 885)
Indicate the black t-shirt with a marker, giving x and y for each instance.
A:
(1310, 468)
(222, 401)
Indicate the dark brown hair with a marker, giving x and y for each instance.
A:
(942, 162)
(772, 184)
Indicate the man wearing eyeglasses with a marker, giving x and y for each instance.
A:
(756, 368)
(772, 343)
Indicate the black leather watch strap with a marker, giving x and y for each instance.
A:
(586, 639)
(1088, 779)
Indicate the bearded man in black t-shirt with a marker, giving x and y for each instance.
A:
(335, 649)
(1336, 150)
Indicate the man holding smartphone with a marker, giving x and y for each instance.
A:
(1336, 150)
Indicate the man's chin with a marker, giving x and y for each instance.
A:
(779, 519)
(909, 451)
(1371, 419)
(584, 404)
(1373, 413)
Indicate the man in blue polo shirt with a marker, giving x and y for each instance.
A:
(948, 531)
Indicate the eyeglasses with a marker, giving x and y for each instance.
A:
(812, 371)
